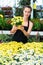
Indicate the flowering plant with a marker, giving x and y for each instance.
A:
(15, 53)
(1, 15)
(17, 20)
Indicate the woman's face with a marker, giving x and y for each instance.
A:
(26, 12)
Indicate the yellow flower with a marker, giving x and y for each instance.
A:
(1, 15)
(11, 48)
(17, 20)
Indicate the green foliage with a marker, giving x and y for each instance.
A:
(8, 38)
(24, 2)
(5, 37)
(18, 12)
(36, 24)
(18, 23)
(41, 22)
(41, 27)
(4, 25)
(1, 12)
(34, 38)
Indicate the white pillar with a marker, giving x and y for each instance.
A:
(17, 3)
(32, 8)
(42, 2)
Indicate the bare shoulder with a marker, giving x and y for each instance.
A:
(31, 23)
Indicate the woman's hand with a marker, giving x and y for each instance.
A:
(13, 30)
(21, 27)
(23, 30)
(15, 27)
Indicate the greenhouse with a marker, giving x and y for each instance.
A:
(21, 32)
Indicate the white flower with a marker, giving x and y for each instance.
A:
(32, 51)
(9, 51)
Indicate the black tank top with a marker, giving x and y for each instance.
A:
(19, 35)
(26, 27)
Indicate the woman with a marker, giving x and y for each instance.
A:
(20, 35)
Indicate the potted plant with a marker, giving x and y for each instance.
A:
(37, 25)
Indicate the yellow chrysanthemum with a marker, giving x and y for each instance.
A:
(1, 15)
(16, 19)
(13, 48)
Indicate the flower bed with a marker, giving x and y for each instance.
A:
(13, 53)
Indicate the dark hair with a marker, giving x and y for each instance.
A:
(30, 10)
(27, 7)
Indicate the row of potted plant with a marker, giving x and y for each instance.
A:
(7, 23)
(38, 24)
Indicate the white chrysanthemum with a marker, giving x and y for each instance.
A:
(31, 51)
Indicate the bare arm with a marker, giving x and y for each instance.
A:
(29, 29)
(13, 30)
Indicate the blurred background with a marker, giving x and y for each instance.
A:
(15, 4)
(11, 8)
